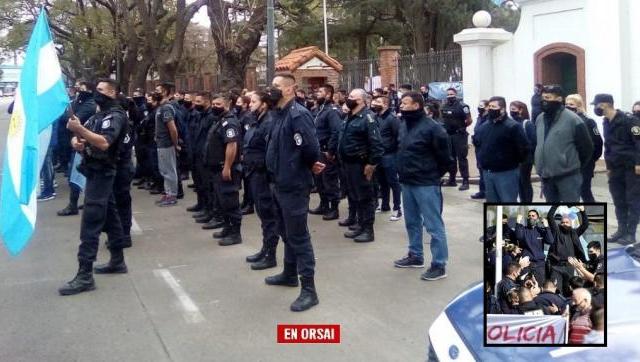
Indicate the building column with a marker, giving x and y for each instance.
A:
(388, 64)
(477, 59)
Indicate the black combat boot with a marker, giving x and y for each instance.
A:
(115, 265)
(355, 226)
(257, 256)
(268, 261)
(214, 224)
(465, 185)
(201, 214)
(195, 208)
(353, 233)
(234, 236)
(617, 235)
(365, 236)
(288, 277)
(307, 298)
(321, 209)
(332, 213)
(69, 210)
(226, 231)
(248, 209)
(83, 282)
(350, 220)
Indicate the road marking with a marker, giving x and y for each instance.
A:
(565, 351)
(191, 312)
(135, 227)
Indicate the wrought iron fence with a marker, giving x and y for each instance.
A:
(435, 66)
(414, 69)
(360, 73)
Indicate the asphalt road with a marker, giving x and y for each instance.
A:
(187, 299)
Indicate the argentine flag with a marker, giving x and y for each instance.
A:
(40, 99)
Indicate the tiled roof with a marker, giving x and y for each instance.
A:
(298, 57)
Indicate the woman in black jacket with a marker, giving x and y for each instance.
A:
(520, 113)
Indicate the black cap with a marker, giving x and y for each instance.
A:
(602, 98)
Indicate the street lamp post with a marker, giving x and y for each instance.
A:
(270, 42)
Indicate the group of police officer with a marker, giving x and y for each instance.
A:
(281, 150)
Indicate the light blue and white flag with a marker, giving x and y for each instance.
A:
(40, 99)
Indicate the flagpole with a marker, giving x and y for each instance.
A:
(326, 34)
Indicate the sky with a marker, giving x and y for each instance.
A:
(201, 16)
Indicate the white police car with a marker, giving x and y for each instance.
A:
(457, 333)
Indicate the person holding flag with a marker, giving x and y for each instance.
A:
(40, 99)
(99, 139)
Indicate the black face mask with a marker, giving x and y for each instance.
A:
(412, 116)
(103, 101)
(139, 101)
(515, 115)
(351, 103)
(493, 113)
(157, 96)
(187, 104)
(598, 111)
(275, 95)
(451, 100)
(238, 109)
(82, 95)
(217, 110)
(199, 108)
(481, 111)
(149, 105)
(376, 109)
(180, 101)
(636, 114)
(592, 256)
(550, 106)
(565, 229)
(321, 101)
(572, 109)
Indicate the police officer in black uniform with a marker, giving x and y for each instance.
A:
(622, 158)
(328, 122)
(360, 149)
(292, 157)
(457, 118)
(99, 140)
(254, 154)
(223, 141)
(202, 119)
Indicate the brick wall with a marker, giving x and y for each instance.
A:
(388, 64)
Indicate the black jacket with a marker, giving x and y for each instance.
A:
(328, 122)
(201, 123)
(359, 139)
(424, 154)
(545, 299)
(532, 240)
(597, 143)
(254, 151)
(292, 148)
(389, 125)
(566, 243)
(622, 141)
(502, 145)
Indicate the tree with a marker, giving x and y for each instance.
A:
(236, 27)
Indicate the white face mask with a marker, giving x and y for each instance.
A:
(400, 95)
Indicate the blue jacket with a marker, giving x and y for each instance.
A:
(532, 240)
(292, 148)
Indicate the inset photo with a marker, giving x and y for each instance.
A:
(545, 274)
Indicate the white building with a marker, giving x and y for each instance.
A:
(588, 46)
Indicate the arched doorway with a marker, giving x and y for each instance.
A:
(561, 63)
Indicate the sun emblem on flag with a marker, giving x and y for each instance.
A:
(16, 124)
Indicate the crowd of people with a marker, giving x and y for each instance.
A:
(385, 151)
(563, 281)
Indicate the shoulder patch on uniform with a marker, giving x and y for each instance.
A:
(225, 123)
(231, 133)
(596, 131)
(297, 137)
(246, 127)
(465, 109)
(371, 119)
(635, 130)
(106, 123)
(126, 139)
